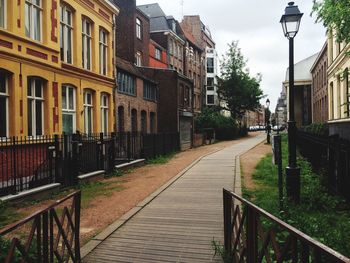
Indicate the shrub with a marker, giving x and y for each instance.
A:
(319, 129)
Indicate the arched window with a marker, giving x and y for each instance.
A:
(133, 120)
(86, 43)
(103, 51)
(144, 121)
(104, 113)
(88, 111)
(347, 93)
(152, 122)
(35, 106)
(3, 13)
(68, 109)
(4, 104)
(331, 94)
(120, 119)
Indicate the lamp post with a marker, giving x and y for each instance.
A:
(267, 121)
(290, 23)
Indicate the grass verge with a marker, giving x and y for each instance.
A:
(320, 215)
(162, 159)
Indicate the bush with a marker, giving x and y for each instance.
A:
(225, 128)
(320, 129)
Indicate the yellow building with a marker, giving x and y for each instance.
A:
(338, 87)
(56, 66)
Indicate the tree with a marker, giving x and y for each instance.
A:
(335, 15)
(236, 87)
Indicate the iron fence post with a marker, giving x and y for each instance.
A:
(75, 164)
(57, 160)
(154, 145)
(45, 237)
(14, 162)
(77, 202)
(101, 153)
(227, 199)
(111, 152)
(128, 146)
(252, 236)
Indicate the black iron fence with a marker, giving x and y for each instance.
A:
(26, 163)
(253, 235)
(49, 235)
(330, 154)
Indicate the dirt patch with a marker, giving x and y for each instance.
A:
(250, 160)
(103, 209)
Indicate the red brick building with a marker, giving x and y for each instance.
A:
(157, 55)
(319, 95)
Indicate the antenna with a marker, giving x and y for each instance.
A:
(182, 8)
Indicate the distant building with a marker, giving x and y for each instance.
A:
(319, 88)
(302, 90)
(338, 87)
(281, 109)
(254, 118)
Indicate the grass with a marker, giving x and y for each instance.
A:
(162, 159)
(320, 215)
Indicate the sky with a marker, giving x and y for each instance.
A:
(255, 24)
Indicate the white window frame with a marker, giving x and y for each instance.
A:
(67, 110)
(32, 99)
(3, 15)
(138, 28)
(86, 41)
(88, 106)
(103, 52)
(6, 96)
(66, 30)
(158, 53)
(138, 59)
(104, 113)
(30, 15)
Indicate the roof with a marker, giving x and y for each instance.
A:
(131, 69)
(190, 38)
(302, 69)
(320, 55)
(152, 10)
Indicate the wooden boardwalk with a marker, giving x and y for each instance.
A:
(180, 224)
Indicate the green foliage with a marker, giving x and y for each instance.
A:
(17, 257)
(319, 129)
(335, 16)
(320, 215)
(236, 87)
(220, 250)
(225, 128)
(7, 214)
(161, 159)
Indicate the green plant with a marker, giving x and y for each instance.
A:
(319, 129)
(161, 159)
(220, 250)
(17, 256)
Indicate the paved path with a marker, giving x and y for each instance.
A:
(180, 223)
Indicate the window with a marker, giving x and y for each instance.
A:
(133, 120)
(210, 99)
(331, 106)
(152, 122)
(347, 93)
(126, 83)
(4, 105)
(120, 119)
(103, 51)
(66, 34)
(86, 43)
(68, 109)
(138, 28)
(143, 121)
(149, 91)
(88, 112)
(2, 13)
(210, 83)
(210, 65)
(158, 54)
(104, 113)
(35, 107)
(33, 18)
(138, 59)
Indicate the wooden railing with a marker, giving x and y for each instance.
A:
(49, 235)
(253, 235)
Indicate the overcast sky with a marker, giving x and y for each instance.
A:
(255, 24)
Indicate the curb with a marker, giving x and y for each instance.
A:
(97, 240)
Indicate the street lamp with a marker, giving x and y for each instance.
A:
(267, 120)
(290, 23)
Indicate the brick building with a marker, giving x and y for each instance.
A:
(193, 68)
(175, 108)
(319, 88)
(136, 96)
(157, 55)
(166, 31)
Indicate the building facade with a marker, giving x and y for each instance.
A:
(281, 110)
(338, 88)
(302, 90)
(157, 55)
(136, 96)
(319, 88)
(56, 71)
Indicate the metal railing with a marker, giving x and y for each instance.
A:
(330, 154)
(49, 235)
(253, 235)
